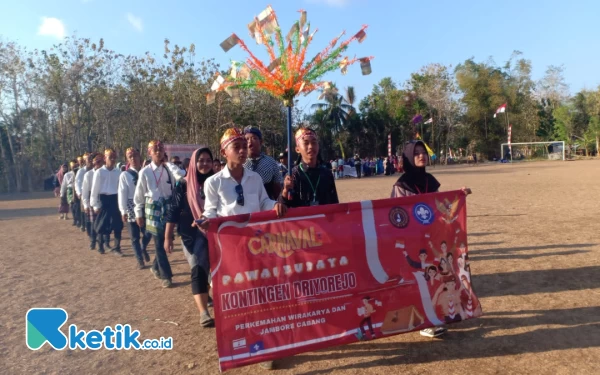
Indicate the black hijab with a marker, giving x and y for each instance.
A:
(415, 179)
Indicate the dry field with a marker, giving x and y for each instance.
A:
(534, 240)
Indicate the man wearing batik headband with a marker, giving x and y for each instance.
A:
(83, 168)
(89, 165)
(127, 182)
(311, 184)
(236, 190)
(262, 164)
(97, 161)
(104, 202)
(152, 201)
(66, 187)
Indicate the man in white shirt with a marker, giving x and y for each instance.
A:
(104, 202)
(127, 183)
(84, 166)
(236, 190)
(86, 189)
(152, 201)
(89, 165)
(67, 192)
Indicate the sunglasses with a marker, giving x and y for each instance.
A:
(240, 192)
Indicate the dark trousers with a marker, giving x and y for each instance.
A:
(76, 211)
(136, 232)
(197, 258)
(161, 261)
(358, 171)
(82, 220)
(109, 218)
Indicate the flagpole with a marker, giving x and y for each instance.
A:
(507, 131)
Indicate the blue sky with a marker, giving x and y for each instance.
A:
(403, 36)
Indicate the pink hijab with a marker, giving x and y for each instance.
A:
(61, 174)
(195, 182)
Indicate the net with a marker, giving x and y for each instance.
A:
(525, 151)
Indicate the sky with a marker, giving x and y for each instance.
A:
(402, 36)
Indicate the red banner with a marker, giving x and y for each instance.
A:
(332, 275)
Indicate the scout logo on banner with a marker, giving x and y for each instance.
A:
(331, 275)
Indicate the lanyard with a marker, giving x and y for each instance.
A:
(314, 188)
(157, 180)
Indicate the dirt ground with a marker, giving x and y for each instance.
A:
(535, 255)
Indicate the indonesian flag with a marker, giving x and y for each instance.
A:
(500, 109)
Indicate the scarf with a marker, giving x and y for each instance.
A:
(415, 179)
(195, 181)
(61, 174)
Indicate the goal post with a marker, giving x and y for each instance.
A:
(558, 152)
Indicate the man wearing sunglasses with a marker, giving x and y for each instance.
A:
(235, 190)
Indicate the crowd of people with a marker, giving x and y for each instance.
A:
(365, 167)
(153, 197)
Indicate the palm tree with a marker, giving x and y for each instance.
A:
(350, 99)
(336, 107)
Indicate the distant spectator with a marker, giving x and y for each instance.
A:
(186, 163)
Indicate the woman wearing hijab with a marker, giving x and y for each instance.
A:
(188, 206)
(63, 208)
(416, 180)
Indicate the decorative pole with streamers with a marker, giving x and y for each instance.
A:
(288, 73)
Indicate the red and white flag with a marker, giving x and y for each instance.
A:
(500, 109)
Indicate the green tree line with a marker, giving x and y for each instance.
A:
(81, 96)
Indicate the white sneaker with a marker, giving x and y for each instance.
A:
(433, 332)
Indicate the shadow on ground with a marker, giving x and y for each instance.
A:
(579, 329)
(19, 213)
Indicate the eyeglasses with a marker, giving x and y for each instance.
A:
(240, 192)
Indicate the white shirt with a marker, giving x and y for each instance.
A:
(105, 183)
(79, 180)
(68, 180)
(86, 188)
(177, 172)
(221, 197)
(126, 190)
(154, 182)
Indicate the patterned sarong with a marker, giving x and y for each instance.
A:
(70, 195)
(155, 215)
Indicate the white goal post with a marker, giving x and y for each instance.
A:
(562, 143)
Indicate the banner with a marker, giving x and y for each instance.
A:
(336, 274)
(349, 171)
(183, 151)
